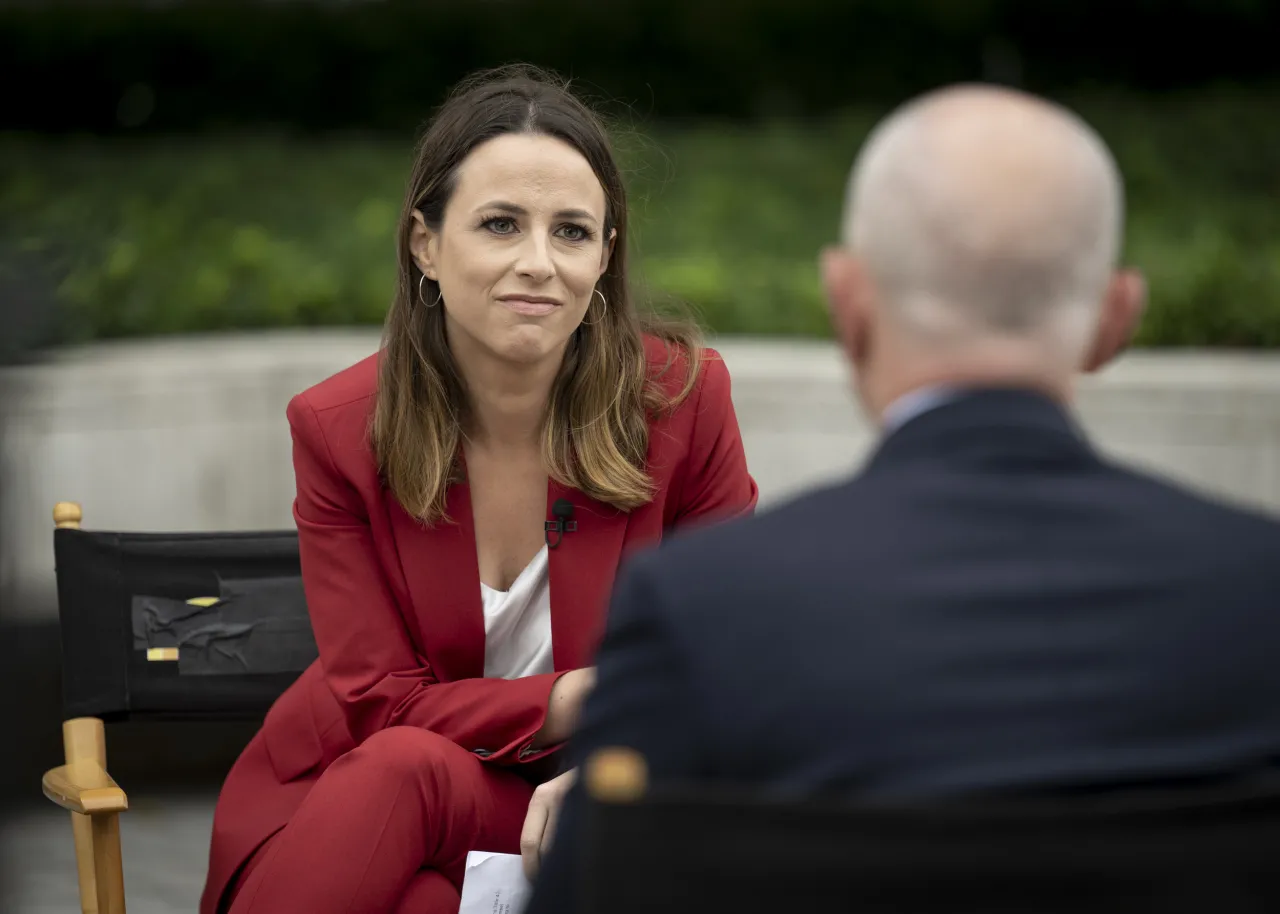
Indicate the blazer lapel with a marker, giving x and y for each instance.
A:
(582, 569)
(443, 577)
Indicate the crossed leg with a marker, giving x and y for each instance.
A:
(386, 829)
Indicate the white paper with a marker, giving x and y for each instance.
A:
(494, 884)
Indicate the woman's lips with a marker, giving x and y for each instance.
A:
(527, 308)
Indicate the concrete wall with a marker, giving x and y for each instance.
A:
(190, 434)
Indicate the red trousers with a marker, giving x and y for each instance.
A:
(385, 830)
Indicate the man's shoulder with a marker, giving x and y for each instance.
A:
(1207, 526)
(721, 553)
(1203, 509)
(872, 517)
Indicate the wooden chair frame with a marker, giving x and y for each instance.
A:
(94, 800)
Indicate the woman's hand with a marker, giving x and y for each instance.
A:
(567, 697)
(540, 820)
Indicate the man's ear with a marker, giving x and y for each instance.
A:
(1122, 305)
(848, 291)
(424, 245)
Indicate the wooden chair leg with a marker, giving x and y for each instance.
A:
(108, 864)
(97, 838)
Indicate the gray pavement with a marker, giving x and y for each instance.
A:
(165, 839)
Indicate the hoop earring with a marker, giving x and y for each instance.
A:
(604, 302)
(422, 297)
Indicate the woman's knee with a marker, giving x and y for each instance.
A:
(436, 787)
(399, 753)
(429, 892)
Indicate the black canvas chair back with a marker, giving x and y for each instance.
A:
(162, 626)
(1176, 851)
(179, 624)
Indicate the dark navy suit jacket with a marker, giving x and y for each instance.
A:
(988, 605)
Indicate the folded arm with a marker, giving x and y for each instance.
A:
(371, 664)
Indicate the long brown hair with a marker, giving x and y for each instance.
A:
(596, 431)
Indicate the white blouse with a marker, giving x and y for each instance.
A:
(517, 624)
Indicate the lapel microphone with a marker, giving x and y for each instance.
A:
(564, 523)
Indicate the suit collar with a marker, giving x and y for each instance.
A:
(986, 421)
(916, 403)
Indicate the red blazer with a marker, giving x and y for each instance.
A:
(396, 606)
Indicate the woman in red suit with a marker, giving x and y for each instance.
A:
(515, 389)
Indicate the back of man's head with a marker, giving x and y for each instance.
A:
(981, 232)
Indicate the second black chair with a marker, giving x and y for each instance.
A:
(1185, 850)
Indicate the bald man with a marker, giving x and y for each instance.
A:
(989, 604)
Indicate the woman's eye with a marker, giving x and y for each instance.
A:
(574, 233)
(502, 226)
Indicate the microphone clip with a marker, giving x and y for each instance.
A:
(562, 510)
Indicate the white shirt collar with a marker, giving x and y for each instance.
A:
(915, 403)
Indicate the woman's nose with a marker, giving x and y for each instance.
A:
(534, 259)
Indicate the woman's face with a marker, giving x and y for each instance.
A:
(519, 249)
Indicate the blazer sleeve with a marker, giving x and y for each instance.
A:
(370, 663)
(716, 484)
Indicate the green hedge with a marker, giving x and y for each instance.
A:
(242, 232)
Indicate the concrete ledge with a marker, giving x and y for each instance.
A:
(190, 433)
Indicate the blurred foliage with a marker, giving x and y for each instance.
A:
(196, 65)
(267, 230)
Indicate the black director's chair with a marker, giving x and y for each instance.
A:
(1188, 850)
(162, 626)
